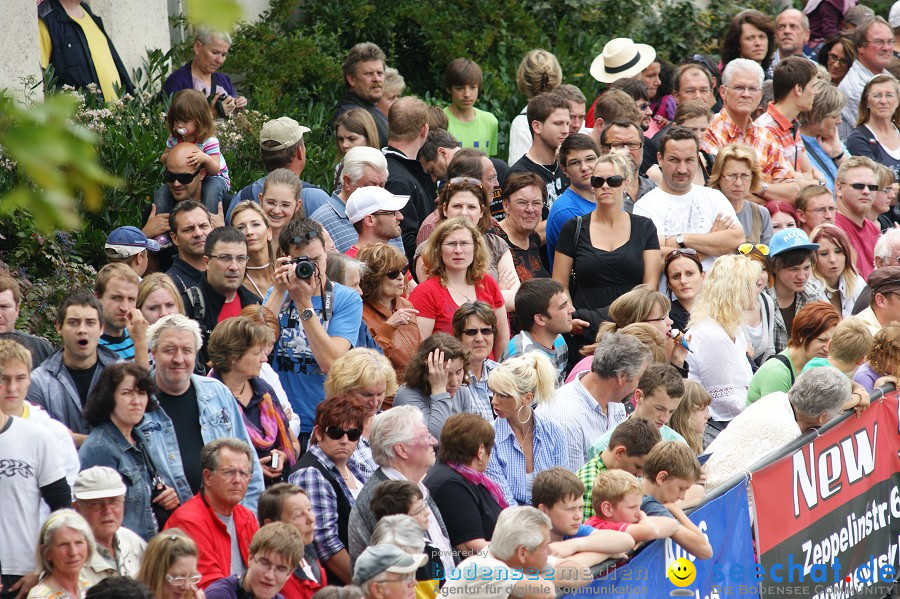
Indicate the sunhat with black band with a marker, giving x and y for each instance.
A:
(621, 58)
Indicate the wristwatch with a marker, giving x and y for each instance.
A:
(679, 239)
(307, 314)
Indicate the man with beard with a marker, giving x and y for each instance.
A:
(364, 73)
(375, 214)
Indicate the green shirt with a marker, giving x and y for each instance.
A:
(587, 474)
(479, 133)
(772, 376)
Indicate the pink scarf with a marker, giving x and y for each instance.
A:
(478, 478)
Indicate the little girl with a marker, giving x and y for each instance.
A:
(190, 120)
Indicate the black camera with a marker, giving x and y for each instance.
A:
(304, 268)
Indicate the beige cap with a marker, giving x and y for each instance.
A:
(283, 130)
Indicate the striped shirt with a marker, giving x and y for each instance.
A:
(123, 345)
(210, 147)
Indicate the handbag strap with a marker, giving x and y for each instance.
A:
(579, 221)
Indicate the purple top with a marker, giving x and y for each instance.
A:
(182, 79)
(866, 377)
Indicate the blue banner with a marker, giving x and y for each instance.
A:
(731, 571)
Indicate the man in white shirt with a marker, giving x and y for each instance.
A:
(687, 216)
(874, 41)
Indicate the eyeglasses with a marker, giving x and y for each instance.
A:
(537, 205)
(232, 473)
(884, 42)
(862, 186)
(408, 580)
(228, 258)
(183, 178)
(743, 89)
(590, 161)
(613, 181)
(266, 565)
(183, 581)
(463, 245)
(883, 96)
(643, 106)
(385, 213)
(96, 505)
(631, 145)
(746, 248)
(838, 59)
(397, 273)
(470, 180)
(337, 433)
(680, 252)
(485, 331)
(732, 177)
(822, 210)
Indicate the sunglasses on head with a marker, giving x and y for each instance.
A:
(397, 273)
(613, 181)
(746, 248)
(337, 433)
(183, 178)
(680, 252)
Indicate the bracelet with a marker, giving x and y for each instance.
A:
(838, 157)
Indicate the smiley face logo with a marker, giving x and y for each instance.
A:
(681, 572)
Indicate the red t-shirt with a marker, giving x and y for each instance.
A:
(863, 241)
(434, 301)
(230, 309)
(352, 251)
(601, 524)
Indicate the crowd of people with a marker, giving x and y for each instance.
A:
(446, 368)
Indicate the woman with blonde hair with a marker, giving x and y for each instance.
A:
(524, 442)
(759, 319)
(538, 72)
(718, 357)
(689, 420)
(456, 258)
(736, 173)
(249, 218)
(834, 271)
(169, 566)
(157, 297)
(645, 332)
(818, 130)
(64, 546)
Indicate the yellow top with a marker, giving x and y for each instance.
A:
(426, 589)
(98, 47)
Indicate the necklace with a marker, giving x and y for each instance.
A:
(266, 265)
(465, 293)
(549, 172)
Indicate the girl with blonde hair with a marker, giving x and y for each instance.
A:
(169, 566)
(689, 420)
(249, 218)
(538, 72)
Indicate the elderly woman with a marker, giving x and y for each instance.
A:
(523, 199)
(876, 135)
(834, 272)
(391, 317)
(751, 34)
(466, 197)
(718, 358)
(737, 175)
(819, 131)
(475, 325)
(468, 500)
(524, 443)
(169, 566)
(238, 348)
(810, 338)
(405, 532)
(684, 279)
(210, 50)
(434, 382)
(64, 546)
(333, 480)
(114, 407)
(457, 259)
(819, 395)
(613, 251)
(368, 377)
(836, 54)
(250, 219)
(157, 297)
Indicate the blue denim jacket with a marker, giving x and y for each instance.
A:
(220, 417)
(105, 446)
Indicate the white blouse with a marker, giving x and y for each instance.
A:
(721, 366)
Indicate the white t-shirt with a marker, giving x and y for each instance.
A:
(721, 366)
(693, 212)
(64, 448)
(30, 461)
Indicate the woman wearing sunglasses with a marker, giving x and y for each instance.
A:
(391, 317)
(684, 278)
(834, 272)
(737, 175)
(614, 251)
(238, 347)
(475, 325)
(332, 480)
(876, 135)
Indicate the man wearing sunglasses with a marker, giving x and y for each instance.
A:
(855, 188)
(375, 214)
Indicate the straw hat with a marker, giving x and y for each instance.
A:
(621, 58)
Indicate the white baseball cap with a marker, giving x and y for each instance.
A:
(368, 200)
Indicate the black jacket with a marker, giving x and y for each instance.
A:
(70, 55)
(206, 310)
(406, 177)
(350, 101)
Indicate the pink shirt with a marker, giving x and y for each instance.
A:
(863, 241)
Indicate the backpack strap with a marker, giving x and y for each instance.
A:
(787, 364)
(198, 304)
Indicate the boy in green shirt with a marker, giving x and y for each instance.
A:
(473, 128)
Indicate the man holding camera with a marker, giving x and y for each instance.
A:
(319, 319)
(221, 293)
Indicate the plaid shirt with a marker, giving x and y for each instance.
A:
(785, 132)
(808, 295)
(333, 217)
(323, 501)
(588, 473)
(723, 131)
(507, 464)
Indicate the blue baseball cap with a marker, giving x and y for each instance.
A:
(790, 239)
(125, 242)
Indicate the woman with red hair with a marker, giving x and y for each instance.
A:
(783, 215)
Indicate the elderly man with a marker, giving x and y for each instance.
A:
(100, 498)
(791, 36)
(854, 189)
(404, 450)
(592, 403)
(214, 518)
(884, 298)
(221, 293)
(377, 563)
(375, 214)
(773, 421)
(362, 167)
(190, 225)
(520, 544)
(193, 410)
(363, 71)
(741, 92)
(887, 253)
(874, 40)
(10, 301)
(281, 145)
